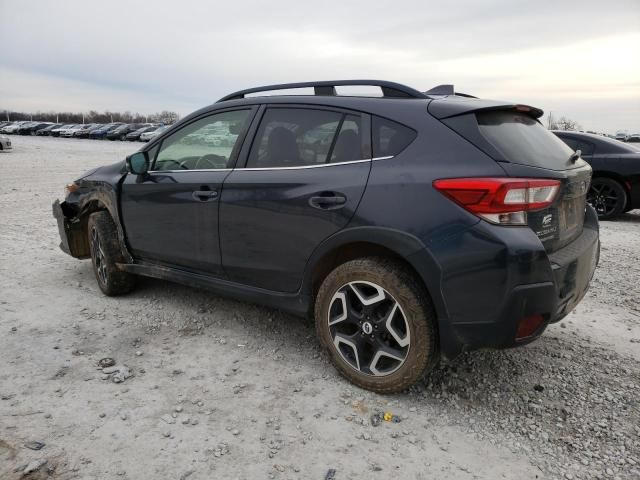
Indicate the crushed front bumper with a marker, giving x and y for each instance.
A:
(73, 239)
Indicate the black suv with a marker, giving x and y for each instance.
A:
(408, 225)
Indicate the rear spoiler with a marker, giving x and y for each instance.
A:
(452, 106)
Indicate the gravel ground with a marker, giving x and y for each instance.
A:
(222, 389)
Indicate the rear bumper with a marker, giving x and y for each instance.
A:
(72, 233)
(533, 283)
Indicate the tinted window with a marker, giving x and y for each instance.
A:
(348, 143)
(574, 144)
(522, 139)
(586, 148)
(204, 144)
(291, 137)
(609, 145)
(390, 138)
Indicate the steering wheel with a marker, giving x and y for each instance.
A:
(210, 161)
(172, 161)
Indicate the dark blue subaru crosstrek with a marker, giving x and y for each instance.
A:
(409, 225)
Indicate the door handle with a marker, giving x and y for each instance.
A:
(328, 202)
(205, 195)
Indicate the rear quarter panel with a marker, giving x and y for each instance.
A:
(400, 197)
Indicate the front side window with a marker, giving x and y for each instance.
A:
(293, 137)
(205, 144)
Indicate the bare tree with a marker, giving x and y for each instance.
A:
(166, 117)
(563, 123)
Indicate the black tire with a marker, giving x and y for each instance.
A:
(608, 197)
(396, 285)
(105, 253)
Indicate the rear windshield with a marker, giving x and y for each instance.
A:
(522, 139)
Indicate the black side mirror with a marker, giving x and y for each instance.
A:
(138, 163)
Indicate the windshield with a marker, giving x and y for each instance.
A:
(522, 139)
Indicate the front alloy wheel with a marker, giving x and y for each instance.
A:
(105, 253)
(98, 258)
(368, 328)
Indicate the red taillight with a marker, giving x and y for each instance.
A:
(500, 200)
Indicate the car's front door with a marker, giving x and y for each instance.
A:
(303, 179)
(170, 214)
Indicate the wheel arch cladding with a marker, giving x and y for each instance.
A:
(360, 242)
(621, 179)
(102, 198)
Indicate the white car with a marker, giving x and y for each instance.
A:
(634, 138)
(56, 131)
(146, 136)
(622, 136)
(69, 132)
(14, 127)
(5, 143)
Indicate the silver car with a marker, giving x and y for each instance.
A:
(145, 137)
(5, 143)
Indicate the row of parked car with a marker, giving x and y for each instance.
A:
(626, 137)
(98, 131)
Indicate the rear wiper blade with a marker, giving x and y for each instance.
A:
(575, 156)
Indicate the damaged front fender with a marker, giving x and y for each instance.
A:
(97, 190)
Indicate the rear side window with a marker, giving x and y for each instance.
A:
(293, 137)
(390, 138)
(522, 139)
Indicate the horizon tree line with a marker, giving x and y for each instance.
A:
(166, 117)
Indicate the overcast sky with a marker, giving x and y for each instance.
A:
(579, 58)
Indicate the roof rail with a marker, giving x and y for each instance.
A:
(327, 88)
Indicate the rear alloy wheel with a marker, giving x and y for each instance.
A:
(608, 197)
(368, 328)
(377, 324)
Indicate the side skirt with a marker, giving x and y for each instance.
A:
(293, 303)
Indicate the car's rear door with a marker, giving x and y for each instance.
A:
(303, 177)
(170, 214)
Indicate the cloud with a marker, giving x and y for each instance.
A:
(155, 55)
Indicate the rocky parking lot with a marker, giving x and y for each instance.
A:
(203, 387)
